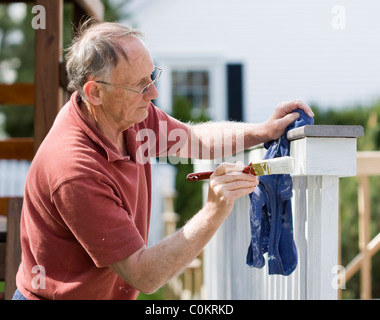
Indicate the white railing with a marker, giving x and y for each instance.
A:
(322, 154)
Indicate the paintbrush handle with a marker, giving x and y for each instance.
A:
(198, 176)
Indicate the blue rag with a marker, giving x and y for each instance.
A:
(271, 212)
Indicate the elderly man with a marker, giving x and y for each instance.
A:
(86, 210)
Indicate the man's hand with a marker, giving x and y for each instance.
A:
(149, 268)
(284, 115)
(227, 184)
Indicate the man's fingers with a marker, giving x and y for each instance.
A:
(289, 118)
(230, 177)
(298, 104)
(236, 194)
(227, 167)
(240, 184)
(289, 106)
(229, 183)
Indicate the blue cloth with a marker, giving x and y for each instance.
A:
(271, 212)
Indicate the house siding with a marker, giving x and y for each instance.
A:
(289, 49)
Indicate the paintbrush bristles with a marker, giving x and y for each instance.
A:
(281, 165)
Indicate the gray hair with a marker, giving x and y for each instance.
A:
(96, 51)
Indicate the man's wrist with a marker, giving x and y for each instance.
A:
(259, 133)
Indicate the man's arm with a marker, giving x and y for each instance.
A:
(150, 268)
(212, 140)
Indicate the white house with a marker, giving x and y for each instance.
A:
(241, 58)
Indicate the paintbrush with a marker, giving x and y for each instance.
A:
(281, 165)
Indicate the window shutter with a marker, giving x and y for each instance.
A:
(235, 92)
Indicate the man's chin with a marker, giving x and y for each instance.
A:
(143, 114)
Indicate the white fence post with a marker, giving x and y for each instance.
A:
(322, 154)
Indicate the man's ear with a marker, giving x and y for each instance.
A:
(91, 90)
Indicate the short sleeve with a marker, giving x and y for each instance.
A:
(98, 220)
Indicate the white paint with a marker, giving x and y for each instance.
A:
(322, 244)
(324, 156)
(315, 223)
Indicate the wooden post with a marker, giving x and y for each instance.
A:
(88, 8)
(13, 246)
(48, 48)
(364, 205)
(321, 155)
(169, 217)
(368, 165)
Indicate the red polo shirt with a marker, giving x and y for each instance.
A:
(87, 207)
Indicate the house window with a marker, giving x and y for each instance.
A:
(193, 85)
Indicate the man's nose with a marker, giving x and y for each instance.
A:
(152, 93)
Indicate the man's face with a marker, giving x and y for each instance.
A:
(123, 107)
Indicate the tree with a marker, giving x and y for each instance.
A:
(189, 195)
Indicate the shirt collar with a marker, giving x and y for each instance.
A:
(95, 134)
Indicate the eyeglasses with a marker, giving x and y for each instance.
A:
(155, 76)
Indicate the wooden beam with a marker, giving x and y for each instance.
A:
(364, 236)
(94, 8)
(4, 206)
(353, 266)
(13, 246)
(17, 148)
(48, 56)
(13, 1)
(82, 13)
(17, 94)
(368, 163)
(63, 78)
(2, 260)
(373, 247)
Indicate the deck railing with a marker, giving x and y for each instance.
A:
(368, 164)
(322, 154)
